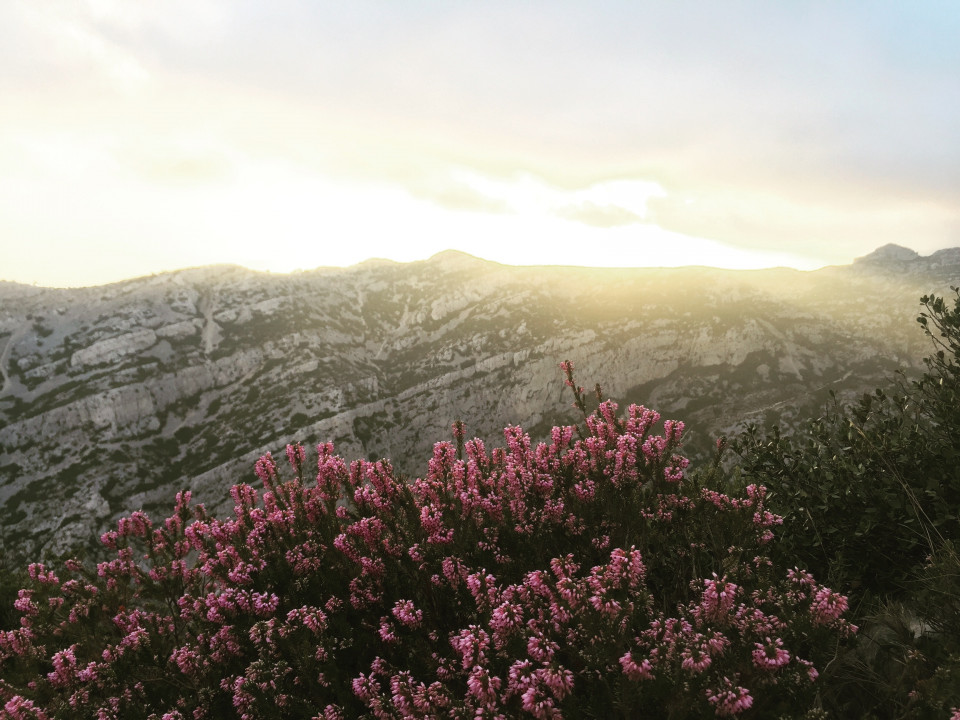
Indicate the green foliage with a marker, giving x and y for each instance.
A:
(11, 580)
(871, 490)
(864, 490)
(870, 495)
(906, 660)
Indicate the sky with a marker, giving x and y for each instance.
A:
(140, 136)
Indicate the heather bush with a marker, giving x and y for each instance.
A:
(592, 575)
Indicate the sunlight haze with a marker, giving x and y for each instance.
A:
(138, 138)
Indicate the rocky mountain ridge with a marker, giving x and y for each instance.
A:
(115, 397)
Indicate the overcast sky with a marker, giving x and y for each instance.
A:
(138, 136)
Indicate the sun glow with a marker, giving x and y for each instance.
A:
(270, 214)
(278, 219)
(197, 197)
(135, 139)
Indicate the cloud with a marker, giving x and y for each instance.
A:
(600, 216)
(826, 127)
(834, 231)
(180, 161)
(67, 46)
(611, 203)
(455, 191)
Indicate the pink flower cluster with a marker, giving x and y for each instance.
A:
(588, 572)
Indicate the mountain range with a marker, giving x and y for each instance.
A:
(115, 397)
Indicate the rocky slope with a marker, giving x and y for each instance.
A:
(115, 397)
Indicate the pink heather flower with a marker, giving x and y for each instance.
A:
(636, 671)
(696, 659)
(20, 708)
(64, 666)
(585, 490)
(365, 688)
(483, 686)
(415, 553)
(654, 447)
(626, 568)
(431, 518)
(673, 473)
(718, 597)
(718, 500)
(39, 572)
(954, 713)
(451, 570)
(812, 673)
(505, 618)
(766, 519)
(314, 619)
(266, 469)
(386, 631)
(560, 436)
(15, 642)
(608, 410)
(640, 419)
(136, 525)
(296, 456)
(483, 588)
(540, 649)
(535, 702)
(827, 606)
(471, 644)
(601, 543)
(407, 613)
(564, 567)
(558, 679)
(731, 700)
(673, 429)
(24, 603)
(134, 639)
(771, 655)
(187, 659)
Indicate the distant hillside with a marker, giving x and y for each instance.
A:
(115, 397)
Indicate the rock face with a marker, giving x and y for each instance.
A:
(112, 350)
(113, 398)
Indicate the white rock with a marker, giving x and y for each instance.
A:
(112, 349)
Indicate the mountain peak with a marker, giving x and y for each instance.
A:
(889, 254)
(376, 262)
(455, 258)
(897, 259)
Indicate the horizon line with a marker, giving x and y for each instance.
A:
(449, 252)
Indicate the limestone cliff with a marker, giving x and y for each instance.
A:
(113, 398)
